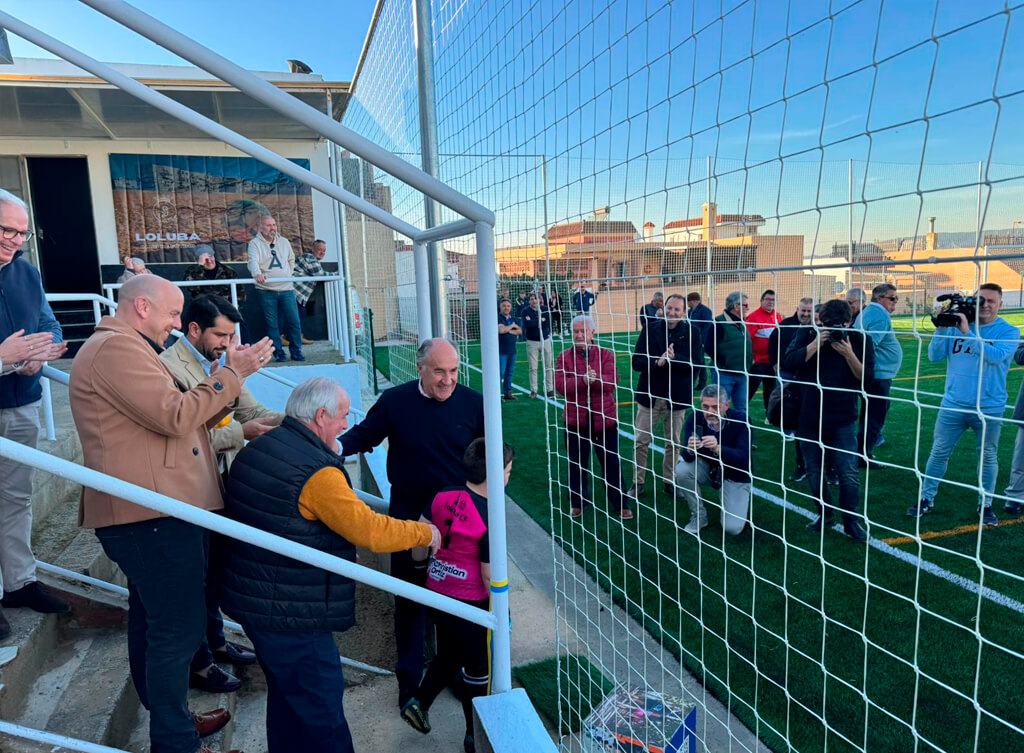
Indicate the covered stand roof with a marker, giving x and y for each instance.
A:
(54, 99)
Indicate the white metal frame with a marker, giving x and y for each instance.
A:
(477, 219)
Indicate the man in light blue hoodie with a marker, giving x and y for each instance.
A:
(979, 356)
(875, 319)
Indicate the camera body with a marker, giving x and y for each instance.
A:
(837, 327)
(837, 335)
(954, 303)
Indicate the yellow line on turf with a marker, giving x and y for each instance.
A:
(926, 535)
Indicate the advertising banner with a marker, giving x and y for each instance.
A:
(167, 205)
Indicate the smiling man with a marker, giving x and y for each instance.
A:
(428, 422)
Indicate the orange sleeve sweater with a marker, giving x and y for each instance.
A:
(327, 497)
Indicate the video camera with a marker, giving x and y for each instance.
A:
(951, 304)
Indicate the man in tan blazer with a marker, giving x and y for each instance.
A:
(140, 424)
(208, 325)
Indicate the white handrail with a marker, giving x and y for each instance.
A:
(227, 527)
(233, 281)
(60, 742)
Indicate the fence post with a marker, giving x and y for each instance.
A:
(368, 316)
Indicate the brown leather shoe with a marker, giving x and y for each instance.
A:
(306, 341)
(209, 722)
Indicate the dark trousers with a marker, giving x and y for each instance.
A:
(461, 658)
(761, 373)
(410, 626)
(556, 322)
(279, 306)
(836, 440)
(873, 411)
(579, 440)
(214, 631)
(305, 689)
(165, 563)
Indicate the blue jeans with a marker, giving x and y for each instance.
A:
(507, 366)
(950, 424)
(735, 385)
(278, 306)
(165, 562)
(305, 689)
(214, 631)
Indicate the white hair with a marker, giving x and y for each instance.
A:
(584, 318)
(311, 396)
(6, 197)
(716, 392)
(856, 294)
(734, 299)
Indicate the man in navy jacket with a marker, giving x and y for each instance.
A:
(29, 336)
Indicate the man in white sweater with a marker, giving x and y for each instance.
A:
(270, 258)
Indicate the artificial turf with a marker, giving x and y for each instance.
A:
(816, 642)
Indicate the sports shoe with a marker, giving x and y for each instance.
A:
(921, 508)
(1013, 508)
(36, 597)
(820, 523)
(635, 490)
(988, 517)
(789, 436)
(799, 474)
(415, 716)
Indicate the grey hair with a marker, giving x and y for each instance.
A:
(137, 260)
(716, 392)
(734, 299)
(311, 396)
(426, 346)
(584, 318)
(855, 293)
(808, 301)
(6, 197)
(881, 291)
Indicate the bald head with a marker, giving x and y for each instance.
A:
(151, 305)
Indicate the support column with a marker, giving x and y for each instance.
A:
(423, 308)
(501, 656)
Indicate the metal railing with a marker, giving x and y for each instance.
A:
(477, 220)
(337, 317)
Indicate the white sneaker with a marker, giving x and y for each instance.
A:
(695, 524)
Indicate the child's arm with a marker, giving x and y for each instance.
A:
(485, 572)
(419, 553)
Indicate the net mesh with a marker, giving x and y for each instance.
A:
(642, 147)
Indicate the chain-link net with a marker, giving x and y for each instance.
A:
(631, 148)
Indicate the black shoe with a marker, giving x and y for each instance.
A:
(5, 627)
(298, 357)
(1013, 508)
(799, 474)
(551, 393)
(37, 597)
(280, 357)
(415, 716)
(468, 745)
(234, 653)
(821, 522)
(855, 531)
(670, 489)
(216, 681)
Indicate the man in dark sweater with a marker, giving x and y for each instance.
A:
(664, 356)
(778, 344)
(701, 318)
(428, 423)
(830, 364)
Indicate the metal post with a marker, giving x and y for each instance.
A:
(340, 339)
(234, 302)
(849, 282)
(710, 278)
(437, 264)
(51, 432)
(423, 310)
(97, 314)
(501, 658)
(981, 174)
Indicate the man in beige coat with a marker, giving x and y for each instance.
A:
(208, 325)
(140, 424)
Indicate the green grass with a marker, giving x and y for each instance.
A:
(759, 618)
(583, 687)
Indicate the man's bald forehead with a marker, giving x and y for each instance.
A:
(147, 286)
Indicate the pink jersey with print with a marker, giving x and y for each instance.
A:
(455, 569)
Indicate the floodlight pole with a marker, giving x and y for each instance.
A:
(423, 308)
(437, 262)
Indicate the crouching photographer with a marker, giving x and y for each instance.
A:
(830, 364)
(716, 453)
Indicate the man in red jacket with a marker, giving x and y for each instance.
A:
(760, 324)
(585, 375)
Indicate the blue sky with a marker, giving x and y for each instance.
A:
(627, 98)
(258, 34)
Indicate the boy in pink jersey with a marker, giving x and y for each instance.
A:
(460, 569)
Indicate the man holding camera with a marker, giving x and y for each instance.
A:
(979, 354)
(716, 453)
(831, 364)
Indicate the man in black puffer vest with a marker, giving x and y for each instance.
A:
(291, 482)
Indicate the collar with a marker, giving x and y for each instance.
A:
(159, 349)
(204, 362)
(419, 386)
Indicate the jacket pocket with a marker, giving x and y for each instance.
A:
(170, 452)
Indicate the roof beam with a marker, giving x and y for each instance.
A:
(92, 114)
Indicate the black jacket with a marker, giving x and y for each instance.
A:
(734, 440)
(780, 339)
(674, 380)
(267, 590)
(829, 392)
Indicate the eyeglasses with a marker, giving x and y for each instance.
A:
(892, 298)
(9, 233)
